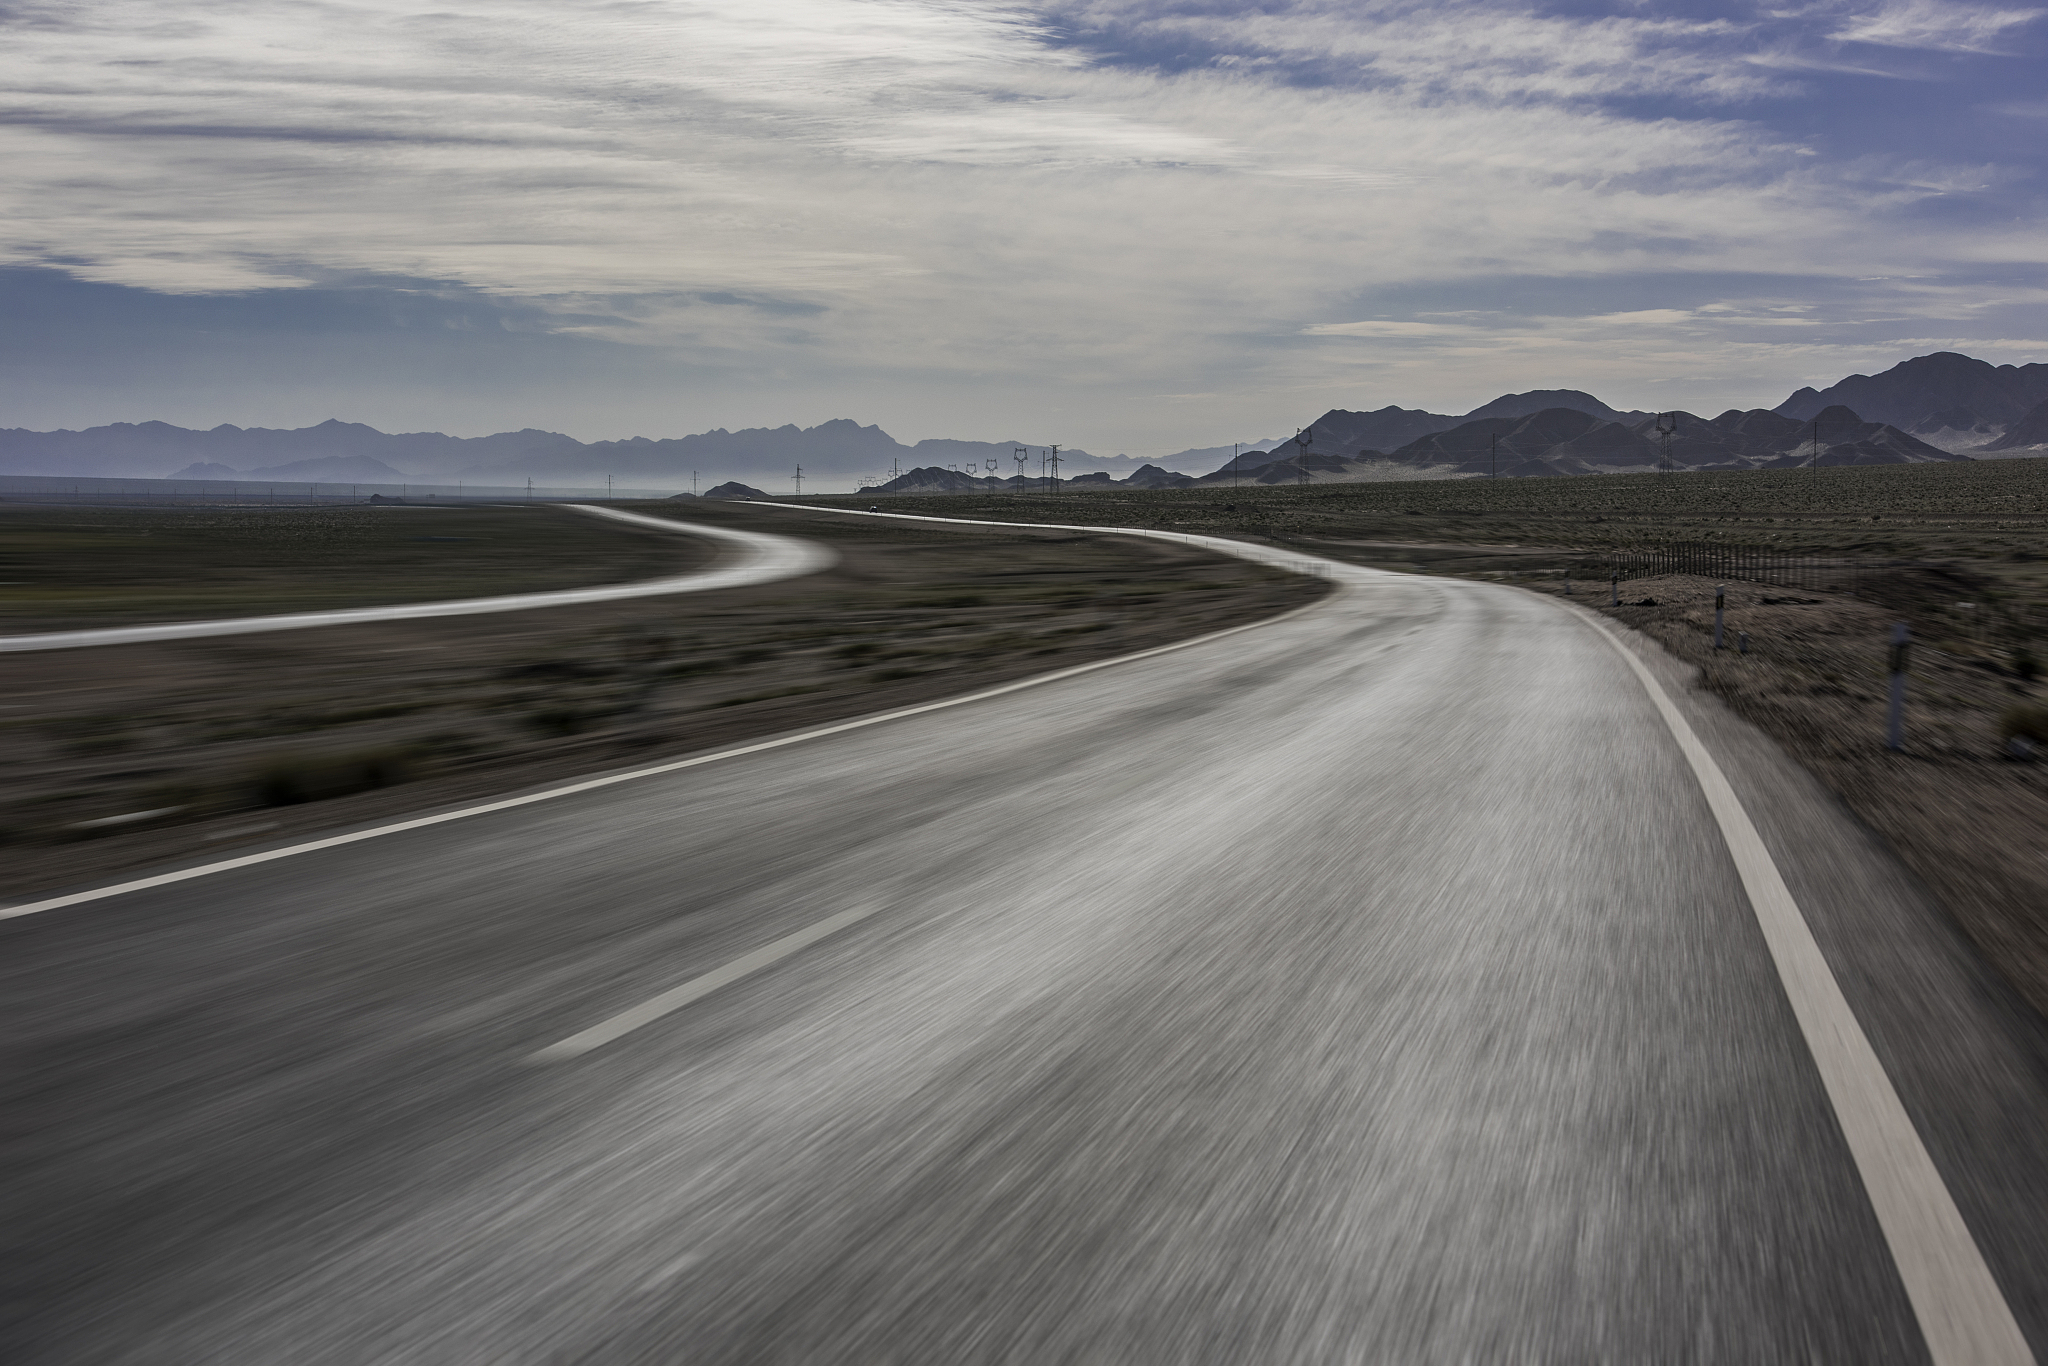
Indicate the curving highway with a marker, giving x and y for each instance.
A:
(1386, 983)
(748, 558)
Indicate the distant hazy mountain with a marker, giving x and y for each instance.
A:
(840, 449)
(149, 450)
(1201, 457)
(1939, 403)
(326, 469)
(1954, 401)
(998, 458)
(933, 479)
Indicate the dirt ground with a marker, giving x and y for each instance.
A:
(1989, 519)
(123, 756)
(67, 568)
(1968, 819)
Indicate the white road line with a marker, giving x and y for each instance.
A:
(626, 1021)
(612, 779)
(767, 559)
(1963, 1315)
(1317, 565)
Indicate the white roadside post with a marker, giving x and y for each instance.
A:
(1895, 737)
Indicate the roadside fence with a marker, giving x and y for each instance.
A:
(1944, 602)
(1808, 573)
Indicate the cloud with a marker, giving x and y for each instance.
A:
(1933, 26)
(960, 208)
(1387, 328)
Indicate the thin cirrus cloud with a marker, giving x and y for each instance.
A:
(1935, 27)
(963, 215)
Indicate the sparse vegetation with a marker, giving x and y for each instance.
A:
(333, 724)
(2025, 721)
(72, 567)
(289, 779)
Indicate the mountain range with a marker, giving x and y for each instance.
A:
(1931, 407)
(1550, 442)
(1565, 441)
(335, 451)
(1953, 401)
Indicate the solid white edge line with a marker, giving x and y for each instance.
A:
(770, 559)
(1963, 1315)
(1317, 565)
(612, 779)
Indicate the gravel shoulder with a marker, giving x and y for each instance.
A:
(1965, 816)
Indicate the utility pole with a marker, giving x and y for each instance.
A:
(799, 481)
(1020, 454)
(607, 488)
(1303, 437)
(529, 488)
(1055, 468)
(1236, 450)
(1664, 431)
(693, 483)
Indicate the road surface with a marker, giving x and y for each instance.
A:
(747, 558)
(1375, 985)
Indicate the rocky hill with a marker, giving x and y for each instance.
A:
(933, 479)
(2029, 434)
(1953, 401)
(1343, 432)
(1564, 441)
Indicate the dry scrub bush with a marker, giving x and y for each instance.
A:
(2025, 721)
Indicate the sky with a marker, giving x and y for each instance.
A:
(1125, 225)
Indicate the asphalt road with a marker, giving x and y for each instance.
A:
(1375, 985)
(746, 558)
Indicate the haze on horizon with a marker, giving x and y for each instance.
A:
(1125, 224)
